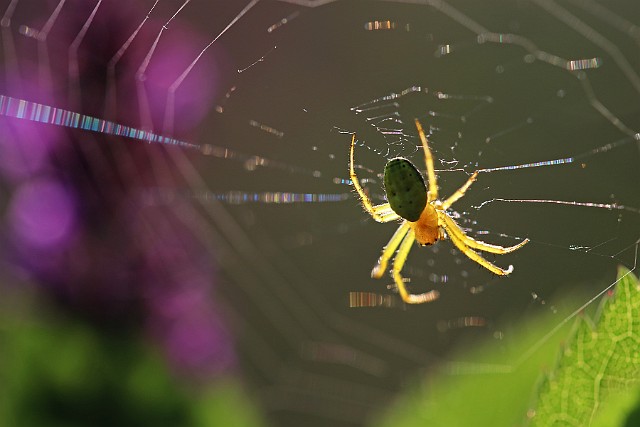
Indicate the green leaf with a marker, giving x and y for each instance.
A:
(487, 386)
(495, 384)
(601, 359)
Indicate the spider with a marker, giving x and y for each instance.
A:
(424, 218)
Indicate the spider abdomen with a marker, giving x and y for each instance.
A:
(405, 188)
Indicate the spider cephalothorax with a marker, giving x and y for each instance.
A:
(424, 218)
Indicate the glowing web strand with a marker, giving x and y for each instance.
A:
(261, 59)
(168, 195)
(74, 67)
(390, 97)
(593, 36)
(573, 65)
(265, 128)
(41, 113)
(462, 322)
(239, 197)
(8, 14)
(171, 92)
(370, 299)
(144, 107)
(567, 160)
(584, 64)
(580, 309)
(283, 21)
(44, 68)
(609, 206)
(603, 149)
(386, 25)
(110, 102)
(531, 165)
(329, 352)
(517, 126)
(614, 20)
(389, 106)
(9, 49)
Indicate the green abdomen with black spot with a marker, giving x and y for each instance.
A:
(405, 188)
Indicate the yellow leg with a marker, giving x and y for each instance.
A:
(385, 212)
(387, 251)
(428, 159)
(454, 229)
(476, 256)
(379, 212)
(398, 263)
(460, 192)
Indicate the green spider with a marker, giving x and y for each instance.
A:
(424, 218)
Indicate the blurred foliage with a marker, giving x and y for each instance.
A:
(493, 391)
(61, 372)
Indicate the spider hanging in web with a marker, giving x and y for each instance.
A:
(424, 218)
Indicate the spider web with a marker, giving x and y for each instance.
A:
(229, 124)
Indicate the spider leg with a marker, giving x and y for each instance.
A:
(380, 213)
(389, 249)
(453, 228)
(428, 160)
(398, 263)
(453, 233)
(385, 212)
(459, 192)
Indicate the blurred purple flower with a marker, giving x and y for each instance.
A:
(42, 215)
(76, 219)
(197, 340)
(24, 149)
(180, 299)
